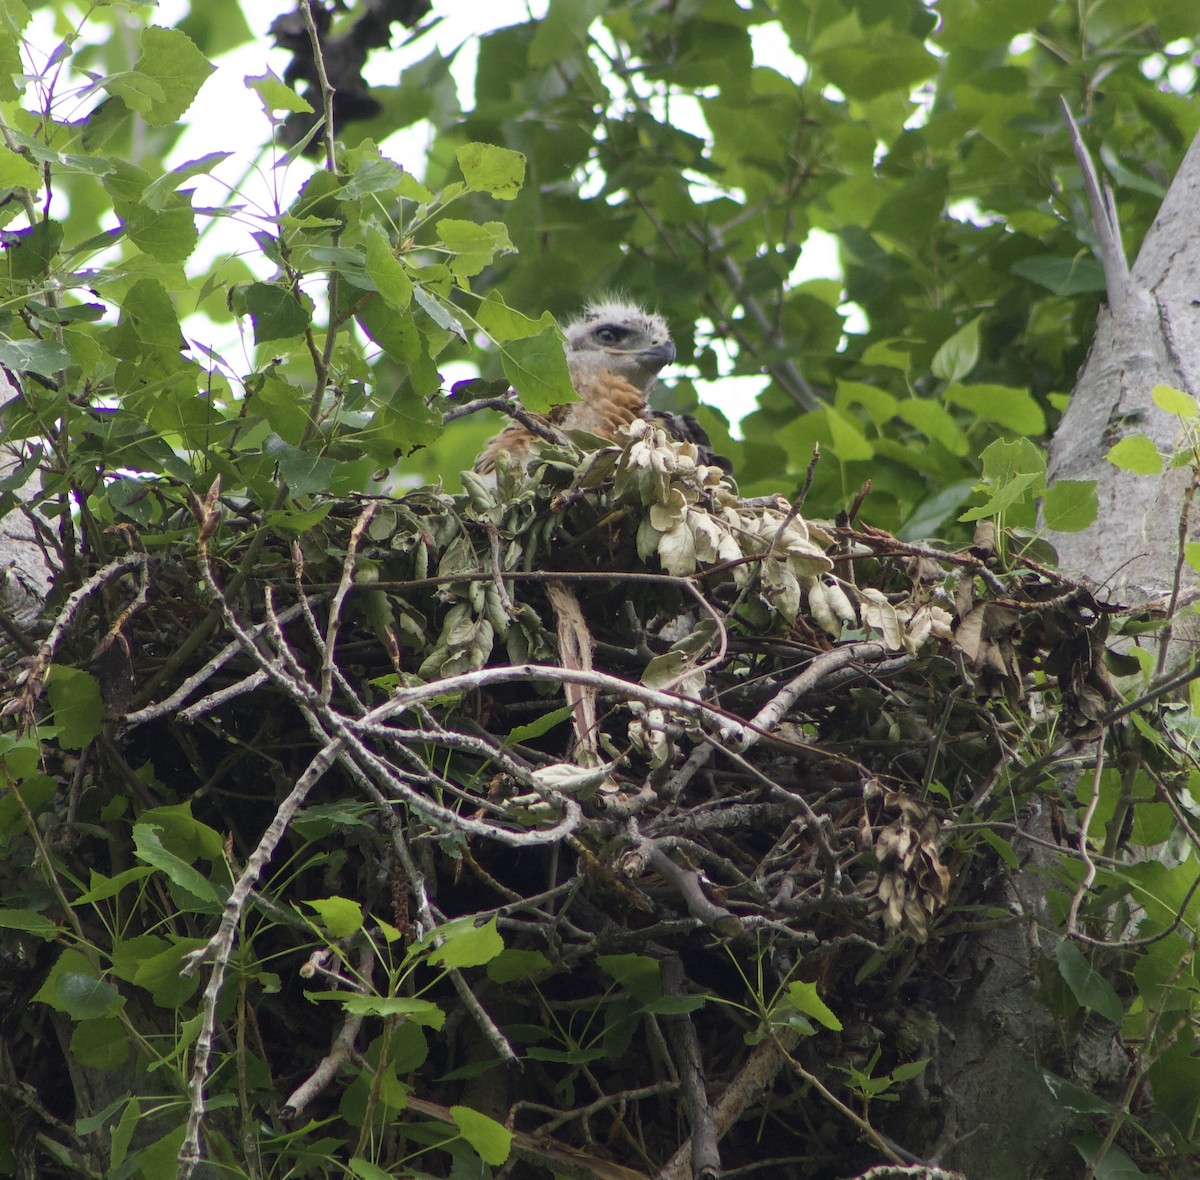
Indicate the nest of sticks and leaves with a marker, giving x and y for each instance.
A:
(632, 814)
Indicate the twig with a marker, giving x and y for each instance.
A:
(706, 1155)
(234, 647)
(25, 700)
(1103, 209)
(339, 597)
(327, 90)
(750, 1081)
(220, 948)
(215, 700)
(1084, 853)
(513, 408)
(339, 1052)
(770, 715)
(686, 883)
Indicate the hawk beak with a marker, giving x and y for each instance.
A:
(658, 356)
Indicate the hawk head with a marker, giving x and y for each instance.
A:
(621, 339)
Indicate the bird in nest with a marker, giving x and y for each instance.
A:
(615, 351)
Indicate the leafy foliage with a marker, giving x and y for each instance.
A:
(275, 759)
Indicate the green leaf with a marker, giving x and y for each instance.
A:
(17, 172)
(1008, 458)
(78, 706)
(102, 887)
(102, 1043)
(14, 16)
(880, 405)
(537, 369)
(148, 847)
(147, 334)
(466, 945)
(545, 723)
(78, 992)
(490, 1140)
(1006, 494)
(29, 922)
(122, 1134)
(339, 915)
(640, 975)
(849, 443)
(275, 312)
(158, 193)
(495, 170)
(1088, 986)
(1063, 276)
(183, 833)
(1075, 1098)
(512, 964)
(167, 232)
(803, 997)
(160, 974)
(1071, 505)
(365, 1170)
(276, 95)
(1001, 846)
(1175, 401)
(422, 1012)
(43, 357)
(164, 81)
(1115, 1164)
(473, 246)
(958, 355)
(31, 252)
(934, 421)
(1136, 453)
(388, 273)
(1014, 409)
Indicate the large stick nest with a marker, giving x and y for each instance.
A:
(635, 720)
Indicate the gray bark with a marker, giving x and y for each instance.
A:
(1147, 336)
(24, 574)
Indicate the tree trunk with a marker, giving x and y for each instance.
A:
(1148, 335)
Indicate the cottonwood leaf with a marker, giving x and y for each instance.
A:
(339, 915)
(423, 1012)
(166, 77)
(43, 357)
(1087, 985)
(1175, 401)
(1009, 406)
(489, 1139)
(497, 171)
(466, 945)
(803, 997)
(148, 847)
(1136, 453)
(1071, 505)
(958, 355)
(512, 964)
(78, 707)
(537, 369)
(276, 94)
(388, 273)
(275, 313)
(17, 172)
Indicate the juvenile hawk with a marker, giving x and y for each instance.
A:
(614, 351)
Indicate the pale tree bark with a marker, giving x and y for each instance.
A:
(24, 574)
(1148, 335)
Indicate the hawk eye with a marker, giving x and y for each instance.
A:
(610, 334)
